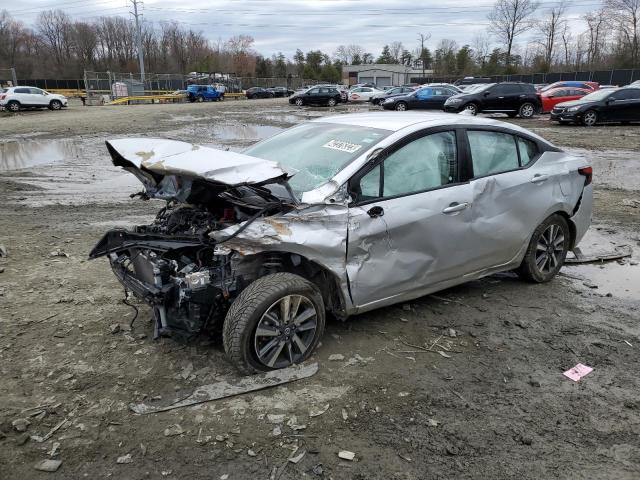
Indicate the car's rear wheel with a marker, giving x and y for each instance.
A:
(13, 106)
(332, 102)
(527, 110)
(590, 118)
(547, 250)
(472, 108)
(277, 321)
(55, 105)
(401, 106)
(200, 99)
(299, 102)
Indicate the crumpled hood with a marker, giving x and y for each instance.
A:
(150, 159)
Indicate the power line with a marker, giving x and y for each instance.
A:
(137, 16)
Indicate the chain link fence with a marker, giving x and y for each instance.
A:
(8, 77)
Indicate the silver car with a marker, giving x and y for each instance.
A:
(340, 215)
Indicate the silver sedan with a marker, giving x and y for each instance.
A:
(343, 214)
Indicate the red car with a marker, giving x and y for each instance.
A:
(550, 98)
(592, 86)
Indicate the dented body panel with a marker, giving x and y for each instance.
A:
(240, 223)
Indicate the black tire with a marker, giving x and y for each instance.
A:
(332, 102)
(589, 118)
(401, 106)
(527, 110)
(192, 99)
(299, 102)
(13, 106)
(200, 99)
(472, 107)
(55, 105)
(546, 249)
(240, 326)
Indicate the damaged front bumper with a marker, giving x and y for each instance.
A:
(185, 297)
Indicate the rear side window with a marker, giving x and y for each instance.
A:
(528, 151)
(22, 90)
(492, 152)
(507, 89)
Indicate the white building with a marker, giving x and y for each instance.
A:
(382, 75)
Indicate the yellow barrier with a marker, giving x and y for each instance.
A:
(67, 92)
(123, 100)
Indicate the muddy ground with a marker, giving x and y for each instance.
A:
(495, 407)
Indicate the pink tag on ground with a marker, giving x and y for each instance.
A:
(577, 372)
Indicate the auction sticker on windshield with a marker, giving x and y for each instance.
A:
(342, 146)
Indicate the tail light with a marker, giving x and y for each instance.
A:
(586, 172)
(2, 97)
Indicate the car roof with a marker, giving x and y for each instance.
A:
(396, 121)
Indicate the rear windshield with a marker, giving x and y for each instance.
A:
(317, 151)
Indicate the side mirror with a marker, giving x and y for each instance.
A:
(550, 96)
(486, 94)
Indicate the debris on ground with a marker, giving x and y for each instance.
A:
(173, 430)
(3, 251)
(579, 257)
(346, 455)
(54, 449)
(452, 333)
(58, 253)
(577, 372)
(114, 328)
(125, 459)
(48, 465)
(21, 424)
(233, 387)
(336, 357)
(630, 202)
(296, 458)
(317, 413)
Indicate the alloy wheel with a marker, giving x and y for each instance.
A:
(549, 249)
(332, 102)
(472, 109)
(401, 107)
(590, 118)
(299, 102)
(285, 331)
(14, 106)
(527, 110)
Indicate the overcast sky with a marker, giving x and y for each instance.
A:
(284, 25)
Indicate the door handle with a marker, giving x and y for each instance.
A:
(376, 211)
(455, 207)
(539, 178)
(500, 97)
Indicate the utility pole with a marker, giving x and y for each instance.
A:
(137, 16)
(422, 37)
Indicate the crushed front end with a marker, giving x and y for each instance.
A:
(188, 278)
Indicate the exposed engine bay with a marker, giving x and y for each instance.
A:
(188, 278)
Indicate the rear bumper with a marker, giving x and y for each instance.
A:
(581, 218)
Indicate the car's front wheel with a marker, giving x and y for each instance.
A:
(401, 106)
(276, 322)
(527, 110)
(299, 102)
(547, 250)
(590, 118)
(55, 105)
(332, 102)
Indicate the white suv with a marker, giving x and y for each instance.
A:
(16, 98)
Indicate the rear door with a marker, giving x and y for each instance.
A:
(511, 194)
(409, 221)
(23, 95)
(626, 107)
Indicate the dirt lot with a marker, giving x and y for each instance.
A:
(496, 406)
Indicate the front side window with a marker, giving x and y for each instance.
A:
(314, 91)
(423, 164)
(492, 152)
(36, 91)
(316, 151)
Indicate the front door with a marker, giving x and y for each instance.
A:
(626, 106)
(409, 221)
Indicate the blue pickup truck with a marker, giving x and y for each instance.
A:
(201, 93)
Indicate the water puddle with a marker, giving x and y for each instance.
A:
(21, 154)
(620, 279)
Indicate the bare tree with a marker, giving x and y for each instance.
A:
(481, 48)
(596, 34)
(566, 42)
(549, 28)
(56, 31)
(396, 49)
(510, 18)
(626, 14)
